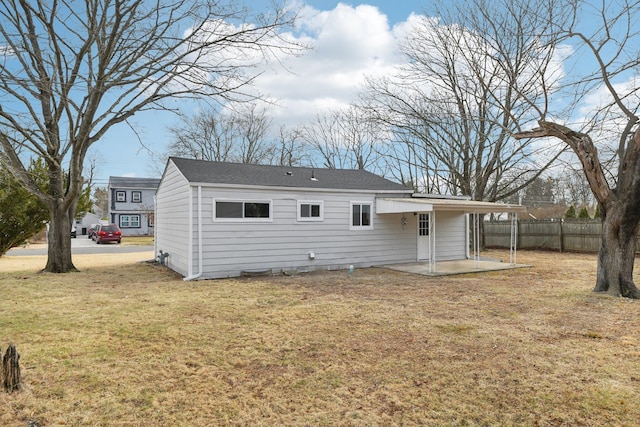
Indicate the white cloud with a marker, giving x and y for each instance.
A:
(347, 44)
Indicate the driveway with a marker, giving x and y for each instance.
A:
(79, 246)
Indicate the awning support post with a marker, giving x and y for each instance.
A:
(514, 239)
(476, 238)
(432, 239)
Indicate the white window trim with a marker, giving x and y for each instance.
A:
(133, 198)
(124, 196)
(360, 227)
(310, 202)
(270, 202)
(128, 216)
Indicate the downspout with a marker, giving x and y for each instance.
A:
(197, 275)
(155, 229)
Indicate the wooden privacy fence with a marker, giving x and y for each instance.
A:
(559, 235)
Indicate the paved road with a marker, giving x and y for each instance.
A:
(82, 245)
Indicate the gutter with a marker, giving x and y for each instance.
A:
(197, 275)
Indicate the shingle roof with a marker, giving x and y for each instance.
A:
(129, 182)
(207, 172)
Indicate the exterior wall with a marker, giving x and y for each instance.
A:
(172, 220)
(87, 221)
(451, 235)
(144, 209)
(283, 243)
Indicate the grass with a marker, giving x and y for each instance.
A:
(137, 240)
(134, 345)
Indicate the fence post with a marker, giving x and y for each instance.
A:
(561, 235)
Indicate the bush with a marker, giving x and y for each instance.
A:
(570, 213)
(22, 214)
(584, 213)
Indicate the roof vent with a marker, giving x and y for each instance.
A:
(313, 175)
(289, 173)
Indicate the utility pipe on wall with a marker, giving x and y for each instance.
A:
(191, 275)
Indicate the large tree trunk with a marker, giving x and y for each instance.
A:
(619, 206)
(617, 254)
(59, 241)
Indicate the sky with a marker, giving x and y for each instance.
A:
(351, 40)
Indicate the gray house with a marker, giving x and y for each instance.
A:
(217, 219)
(131, 204)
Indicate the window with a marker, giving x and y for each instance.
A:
(361, 216)
(254, 211)
(310, 211)
(423, 224)
(136, 196)
(129, 221)
(121, 196)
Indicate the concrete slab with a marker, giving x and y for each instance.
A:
(447, 268)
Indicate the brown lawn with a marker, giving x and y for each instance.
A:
(129, 344)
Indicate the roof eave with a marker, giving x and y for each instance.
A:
(310, 189)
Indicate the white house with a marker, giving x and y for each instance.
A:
(89, 219)
(216, 219)
(131, 204)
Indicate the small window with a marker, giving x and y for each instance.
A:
(121, 196)
(361, 215)
(255, 211)
(423, 224)
(136, 196)
(129, 221)
(228, 209)
(310, 211)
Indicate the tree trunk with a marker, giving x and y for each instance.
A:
(618, 252)
(619, 207)
(59, 242)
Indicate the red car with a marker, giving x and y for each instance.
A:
(91, 231)
(108, 233)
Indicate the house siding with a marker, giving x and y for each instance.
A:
(172, 219)
(230, 248)
(143, 208)
(451, 235)
(218, 248)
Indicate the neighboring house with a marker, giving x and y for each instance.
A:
(94, 217)
(217, 219)
(131, 204)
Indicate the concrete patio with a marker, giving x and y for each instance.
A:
(448, 268)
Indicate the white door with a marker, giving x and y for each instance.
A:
(424, 238)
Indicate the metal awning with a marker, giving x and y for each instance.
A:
(424, 204)
(430, 205)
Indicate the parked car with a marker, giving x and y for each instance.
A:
(108, 233)
(92, 231)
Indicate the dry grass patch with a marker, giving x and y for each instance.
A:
(135, 345)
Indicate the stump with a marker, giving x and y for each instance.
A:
(11, 369)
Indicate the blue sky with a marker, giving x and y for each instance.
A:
(351, 40)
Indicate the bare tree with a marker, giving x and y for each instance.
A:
(289, 149)
(238, 135)
(207, 136)
(345, 139)
(610, 53)
(253, 125)
(470, 79)
(72, 70)
(572, 188)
